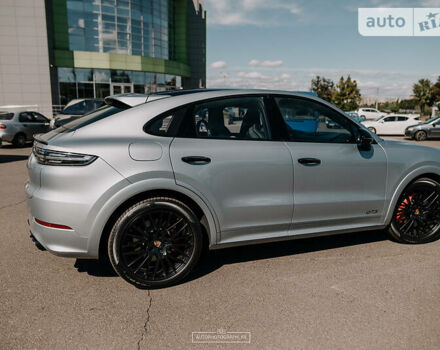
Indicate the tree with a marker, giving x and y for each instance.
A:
(436, 90)
(423, 94)
(323, 87)
(347, 95)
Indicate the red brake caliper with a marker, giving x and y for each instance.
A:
(400, 210)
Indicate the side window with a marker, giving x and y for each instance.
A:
(390, 119)
(40, 118)
(402, 119)
(25, 117)
(165, 124)
(242, 118)
(310, 121)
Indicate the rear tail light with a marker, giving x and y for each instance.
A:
(48, 224)
(2, 126)
(49, 157)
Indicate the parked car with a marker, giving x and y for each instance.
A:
(20, 126)
(356, 117)
(370, 113)
(391, 125)
(75, 109)
(353, 115)
(423, 131)
(149, 186)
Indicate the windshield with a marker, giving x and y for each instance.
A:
(381, 117)
(90, 118)
(6, 116)
(431, 120)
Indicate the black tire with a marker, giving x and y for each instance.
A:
(373, 130)
(416, 218)
(19, 140)
(155, 243)
(420, 135)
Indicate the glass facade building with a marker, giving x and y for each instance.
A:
(104, 47)
(133, 27)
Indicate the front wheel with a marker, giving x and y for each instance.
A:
(416, 217)
(373, 130)
(155, 243)
(420, 135)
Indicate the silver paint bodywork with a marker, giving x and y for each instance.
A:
(252, 191)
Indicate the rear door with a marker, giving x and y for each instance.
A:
(26, 124)
(388, 126)
(336, 186)
(226, 153)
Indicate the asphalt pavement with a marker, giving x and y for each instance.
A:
(353, 291)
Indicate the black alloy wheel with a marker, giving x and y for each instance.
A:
(155, 243)
(416, 218)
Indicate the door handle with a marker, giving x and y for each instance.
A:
(309, 161)
(196, 160)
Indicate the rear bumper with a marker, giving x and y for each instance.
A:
(6, 137)
(59, 242)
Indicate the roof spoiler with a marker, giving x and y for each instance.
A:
(125, 101)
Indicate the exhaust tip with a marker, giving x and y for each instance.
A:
(37, 244)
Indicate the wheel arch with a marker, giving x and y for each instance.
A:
(136, 192)
(430, 172)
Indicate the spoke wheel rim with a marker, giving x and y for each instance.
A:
(421, 136)
(156, 244)
(417, 216)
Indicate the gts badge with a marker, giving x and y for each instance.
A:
(372, 211)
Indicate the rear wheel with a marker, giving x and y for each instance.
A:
(420, 135)
(155, 243)
(416, 217)
(19, 140)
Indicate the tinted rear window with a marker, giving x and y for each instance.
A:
(90, 118)
(6, 116)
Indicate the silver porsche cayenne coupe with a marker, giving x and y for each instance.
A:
(149, 181)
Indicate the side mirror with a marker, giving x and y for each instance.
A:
(381, 121)
(364, 140)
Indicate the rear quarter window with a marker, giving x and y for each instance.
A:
(165, 124)
(6, 116)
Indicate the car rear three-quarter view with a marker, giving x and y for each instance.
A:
(151, 181)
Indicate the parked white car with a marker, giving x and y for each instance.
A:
(370, 113)
(392, 124)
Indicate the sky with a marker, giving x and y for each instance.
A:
(283, 44)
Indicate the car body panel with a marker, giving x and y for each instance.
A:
(342, 190)
(248, 183)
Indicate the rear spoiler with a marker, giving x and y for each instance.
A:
(126, 101)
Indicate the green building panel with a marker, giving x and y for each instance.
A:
(86, 59)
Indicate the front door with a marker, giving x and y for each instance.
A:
(336, 186)
(434, 131)
(224, 152)
(117, 88)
